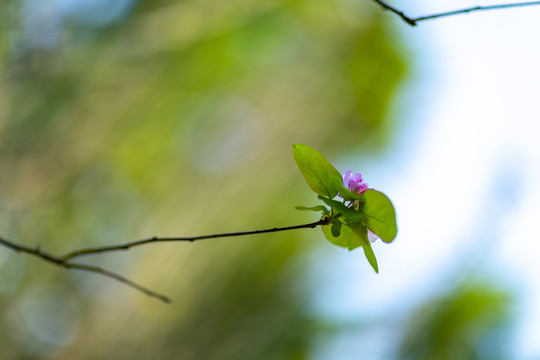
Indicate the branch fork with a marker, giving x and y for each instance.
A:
(414, 21)
(66, 260)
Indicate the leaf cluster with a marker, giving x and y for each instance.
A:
(348, 215)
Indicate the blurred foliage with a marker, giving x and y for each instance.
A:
(122, 120)
(472, 322)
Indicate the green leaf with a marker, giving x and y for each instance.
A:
(370, 255)
(336, 227)
(361, 232)
(351, 236)
(320, 175)
(349, 213)
(313, 208)
(346, 238)
(380, 215)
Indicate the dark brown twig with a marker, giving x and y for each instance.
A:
(123, 280)
(399, 13)
(65, 260)
(414, 21)
(37, 252)
(476, 8)
(126, 246)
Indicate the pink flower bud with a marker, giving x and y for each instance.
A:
(354, 182)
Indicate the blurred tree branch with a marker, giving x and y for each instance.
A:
(414, 21)
(64, 261)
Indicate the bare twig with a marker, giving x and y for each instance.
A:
(414, 21)
(126, 246)
(399, 13)
(123, 280)
(37, 252)
(476, 8)
(65, 260)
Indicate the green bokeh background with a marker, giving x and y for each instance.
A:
(176, 119)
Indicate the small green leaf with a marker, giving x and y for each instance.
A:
(380, 215)
(361, 232)
(320, 175)
(336, 227)
(346, 238)
(349, 213)
(370, 255)
(313, 208)
(351, 236)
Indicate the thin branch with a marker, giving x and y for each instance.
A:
(19, 248)
(37, 252)
(64, 261)
(476, 8)
(123, 280)
(126, 246)
(414, 21)
(399, 13)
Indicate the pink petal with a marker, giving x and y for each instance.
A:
(371, 236)
(347, 179)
